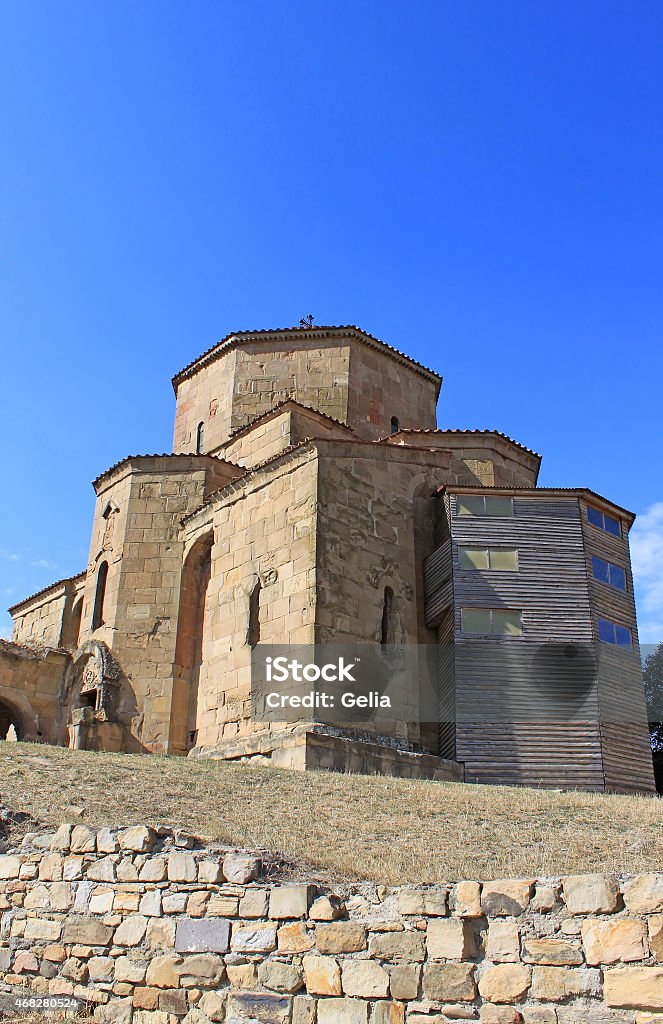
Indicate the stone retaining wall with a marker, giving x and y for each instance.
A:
(156, 928)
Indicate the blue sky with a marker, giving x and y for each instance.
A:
(477, 183)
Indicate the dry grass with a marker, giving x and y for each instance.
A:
(344, 826)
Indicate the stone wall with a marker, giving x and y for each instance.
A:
(30, 681)
(156, 928)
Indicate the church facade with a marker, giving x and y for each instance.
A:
(310, 499)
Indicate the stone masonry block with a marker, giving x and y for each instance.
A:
(196, 935)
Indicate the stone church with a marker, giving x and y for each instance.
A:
(311, 499)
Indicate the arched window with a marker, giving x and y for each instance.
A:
(200, 439)
(100, 594)
(253, 631)
(387, 627)
(395, 425)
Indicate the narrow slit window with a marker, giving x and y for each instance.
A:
(395, 425)
(100, 596)
(200, 439)
(253, 631)
(387, 625)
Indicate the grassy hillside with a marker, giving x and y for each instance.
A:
(342, 826)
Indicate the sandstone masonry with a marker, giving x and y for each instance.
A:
(150, 927)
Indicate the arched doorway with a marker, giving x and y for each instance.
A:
(9, 717)
(190, 645)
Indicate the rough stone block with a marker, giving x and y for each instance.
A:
(609, 942)
(327, 908)
(590, 894)
(322, 975)
(388, 1013)
(102, 870)
(182, 867)
(101, 968)
(131, 931)
(450, 982)
(559, 983)
(153, 870)
(254, 903)
(240, 869)
(164, 972)
(404, 981)
(291, 901)
(194, 935)
(107, 841)
(449, 939)
(506, 897)
(258, 1008)
(342, 1011)
(213, 1005)
(62, 838)
(295, 938)
(87, 931)
(503, 942)
(465, 900)
(117, 1011)
(398, 946)
(365, 978)
(340, 937)
(644, 894)
(150, 903)
(504, 983)
(555, 952)
(634, 988)
(203, 970)
(138, 838)
(254, 938)
(279, 976)
(303, 1010)
(9, 867)
(83, 839)
(132, 971)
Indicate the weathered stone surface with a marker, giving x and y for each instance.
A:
(449, 939)
(254, 903)
(291, 901)
(590, 894)
(173, 1000)
(101, 968)
(340, 937)
(644, 894)
(9, 867)
(202, 936)
(101, 901)
(164, 972)
(254, 938)
(87, 931)
(119, 1011)
(258, 1008)
(153, 870)
(83, 839)
(107, 841)
(204, 969)
(540, 1015)
(555, 952)
(504, 983)
(132, 971)
(608, 942)
(303, 1010)
(404, 981)
(150, 903)
(506, 897)
(559, 983)
(398, 946)
(449, 981)
(182, 867)
(295, 938)
(138, 838)
(244, 976)
(365, 978)
(327, 908)
(160, 933)
(132, 931)
(503, 942)
(544, 899)
(62, 838)
(322, 975)
(634, 988)
(210, 871)
(388, 1013)
(342, 1011)
(240, 868)
(465, 900)
(655, 926)
(491, 1014)
(280, 977)
(102, 870)
(42, 929)
(213, 1005)
(50, 868)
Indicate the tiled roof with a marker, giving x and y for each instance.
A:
(584, 491)
(280, 405)
(249, 473)
(45, 590)
(239, 337)
(157, 455)
(459, 430)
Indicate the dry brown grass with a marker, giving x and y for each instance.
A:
(344, 826)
